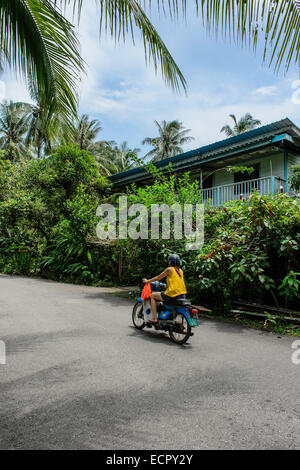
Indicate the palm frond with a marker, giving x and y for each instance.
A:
(41, 45)
(119, 18)
(244, 124)
(275, 22)
(172, 135)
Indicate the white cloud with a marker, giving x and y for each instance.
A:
(127, 96)
(266, 91)
(12, 88)
(2, 90)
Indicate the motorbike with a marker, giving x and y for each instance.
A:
(177, 317)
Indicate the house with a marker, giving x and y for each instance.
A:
(270, 150)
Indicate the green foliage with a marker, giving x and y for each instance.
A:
(240, 169)
(274, 24)
(244, 124)
(250, 248)
(294, 178)
(45, 197)
(67, 253)
(166, 190)
(48, 220)
(290, 286)
(14, 122)
(17, 257)
(61, 174)
(86, 132)
(113, 159)
(172, 136)
(38, 42)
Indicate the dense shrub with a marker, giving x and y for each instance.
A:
(48, 220)
(251, 252)
(35, 198)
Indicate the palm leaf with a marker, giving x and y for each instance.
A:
(41, 45)
(276, 23)
(119, 18)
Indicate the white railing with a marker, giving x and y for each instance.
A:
(231, 192)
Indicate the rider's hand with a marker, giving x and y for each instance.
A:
(145, 281)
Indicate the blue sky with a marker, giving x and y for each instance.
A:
(126, 96)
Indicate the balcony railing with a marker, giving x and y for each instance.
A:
(231, 192)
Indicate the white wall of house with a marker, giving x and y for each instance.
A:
(272, 166)
(222, 177)
(269, 165)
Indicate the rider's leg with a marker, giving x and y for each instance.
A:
(155, 296)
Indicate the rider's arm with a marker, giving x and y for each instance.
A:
(165, 273)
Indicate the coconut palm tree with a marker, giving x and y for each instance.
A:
(273, 23)
(114, 159)
(86, 132)
(14, 123)
(47, 130)
(171, 137)
(244, 124)
(38, 41)
(43, 130)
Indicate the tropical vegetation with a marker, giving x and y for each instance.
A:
(48, 228)
(115, 159)
(53, 168)
(169, 142)
(86, 131)
(244, 124)
(14, 125)
(41, 44)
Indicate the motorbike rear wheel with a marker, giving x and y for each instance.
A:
(183, 330)
(137, 316)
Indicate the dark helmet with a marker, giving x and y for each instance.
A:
(174, 260)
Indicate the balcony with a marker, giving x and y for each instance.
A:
(231, 192)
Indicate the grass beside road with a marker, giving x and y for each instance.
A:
(280, 327)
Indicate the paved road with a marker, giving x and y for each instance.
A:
(79, 376)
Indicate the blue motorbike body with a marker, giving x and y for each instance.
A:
(168, 310)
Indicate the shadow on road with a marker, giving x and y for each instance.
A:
(227, 327)
(132, 417)
(114, 299)
(156, 337)
(32, 340)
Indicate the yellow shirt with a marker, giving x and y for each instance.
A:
(175, 284)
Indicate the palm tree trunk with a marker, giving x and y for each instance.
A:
(39, 146)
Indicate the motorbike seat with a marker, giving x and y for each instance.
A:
(178, 302)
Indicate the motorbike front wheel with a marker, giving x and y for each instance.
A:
(183, 330)
(137, 316)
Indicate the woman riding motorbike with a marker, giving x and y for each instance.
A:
(175, 284)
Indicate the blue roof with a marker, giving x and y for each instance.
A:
(220, 146)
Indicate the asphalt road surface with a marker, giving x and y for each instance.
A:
(79, 376)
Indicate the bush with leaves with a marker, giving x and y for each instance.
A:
(33, 199)
(68, 255)
(294, 178)
(48, 212)
(252, 250)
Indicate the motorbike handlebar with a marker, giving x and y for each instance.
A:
(159, 284)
